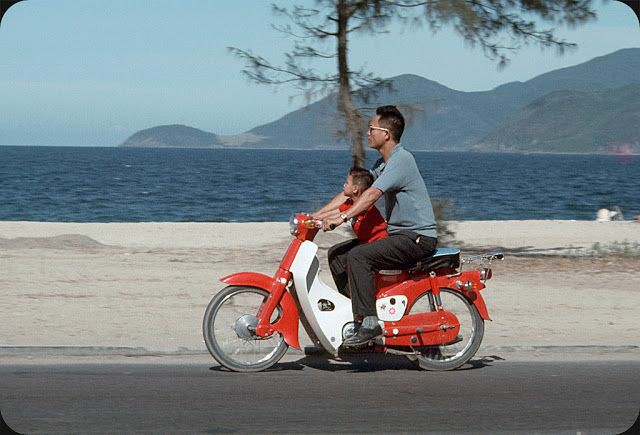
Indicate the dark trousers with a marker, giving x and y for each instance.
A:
(398, 251)
(337, 257)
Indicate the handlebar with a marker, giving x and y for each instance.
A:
(305, 220)
(312, 222)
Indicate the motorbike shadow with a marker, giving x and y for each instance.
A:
(361, 363)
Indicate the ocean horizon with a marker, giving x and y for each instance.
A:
(330, 149)
(120, 184)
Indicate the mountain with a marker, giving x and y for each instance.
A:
(572, 121)
(436, 118)
(446, 119)
(172, 136)
(441, 118)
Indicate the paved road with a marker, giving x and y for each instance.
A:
(313, 395)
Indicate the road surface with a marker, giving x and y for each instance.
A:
(314, 395)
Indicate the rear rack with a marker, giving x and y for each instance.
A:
(483, 257)
(486, 261)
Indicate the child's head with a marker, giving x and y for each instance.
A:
(358, 180)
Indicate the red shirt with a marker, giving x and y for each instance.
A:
(368, 226)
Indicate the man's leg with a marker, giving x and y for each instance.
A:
(395, 251)
(337, 257)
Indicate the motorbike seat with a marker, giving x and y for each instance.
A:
(442, 258)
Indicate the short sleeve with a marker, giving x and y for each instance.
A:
(391, 178)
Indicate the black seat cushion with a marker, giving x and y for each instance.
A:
(443, 258)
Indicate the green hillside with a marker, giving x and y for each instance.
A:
(572, 121)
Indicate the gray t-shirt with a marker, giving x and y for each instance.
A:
(407, 203)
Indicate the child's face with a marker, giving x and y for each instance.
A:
(349, 189)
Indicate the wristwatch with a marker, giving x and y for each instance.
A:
(344, 217)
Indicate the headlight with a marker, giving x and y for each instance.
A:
(293, 225)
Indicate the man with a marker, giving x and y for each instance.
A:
(411, 223)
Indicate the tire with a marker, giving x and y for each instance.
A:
(471, 329)
(226, 329)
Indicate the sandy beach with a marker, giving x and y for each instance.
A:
(560, 290)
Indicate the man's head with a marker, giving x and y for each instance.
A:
(386, 126)
(358, 180)
(391, 119)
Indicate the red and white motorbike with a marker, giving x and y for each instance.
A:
(433, 312)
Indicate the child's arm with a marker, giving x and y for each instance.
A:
(364, 201)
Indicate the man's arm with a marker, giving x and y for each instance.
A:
(330, 214)
(331, 207)
(366, 200)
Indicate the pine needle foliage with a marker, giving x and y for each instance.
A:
(321, 31)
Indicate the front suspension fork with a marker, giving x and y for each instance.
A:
(278, 288)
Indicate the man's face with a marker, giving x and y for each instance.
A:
(376, 136)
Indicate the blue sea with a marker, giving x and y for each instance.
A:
(85, 184)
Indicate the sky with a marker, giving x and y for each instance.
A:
(92, 73)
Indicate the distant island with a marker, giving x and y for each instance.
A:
(172, 136)
(593, 107)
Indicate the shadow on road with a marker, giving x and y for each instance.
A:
(362, 363)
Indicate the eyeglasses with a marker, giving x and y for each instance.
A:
(371, 128)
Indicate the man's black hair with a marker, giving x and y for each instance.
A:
(392, 119)
(361, 177)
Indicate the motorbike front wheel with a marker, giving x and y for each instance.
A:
(229, 330)
(458, 353)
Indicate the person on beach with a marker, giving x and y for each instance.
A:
(368, 226)
(411, 224)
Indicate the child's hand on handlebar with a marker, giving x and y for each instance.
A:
(329, 224)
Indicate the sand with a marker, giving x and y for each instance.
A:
(146, 285)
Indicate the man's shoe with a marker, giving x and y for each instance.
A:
(362, 337)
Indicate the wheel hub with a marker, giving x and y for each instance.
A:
(245, 326)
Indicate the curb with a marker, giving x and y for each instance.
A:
(24, 351)
(92, 351)
(564, 349)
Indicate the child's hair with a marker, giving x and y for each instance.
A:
(361, 177)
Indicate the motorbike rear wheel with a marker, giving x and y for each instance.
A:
(454, 355)
(229, 330)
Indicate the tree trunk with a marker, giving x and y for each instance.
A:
(352, 116)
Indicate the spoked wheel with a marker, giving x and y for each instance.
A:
(457, 353)
(229, 330)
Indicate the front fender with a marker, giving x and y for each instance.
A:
(251, 279)
(288, 324)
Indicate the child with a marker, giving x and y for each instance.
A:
(368, 226)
